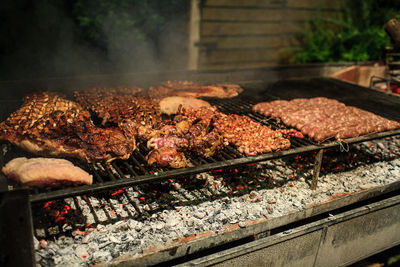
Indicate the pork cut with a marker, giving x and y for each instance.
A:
(321, 118)
(45, 172)
(50, 125)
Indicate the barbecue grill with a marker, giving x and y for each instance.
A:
(112, 180)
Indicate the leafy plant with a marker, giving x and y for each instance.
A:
(112, 22)
(358, 35)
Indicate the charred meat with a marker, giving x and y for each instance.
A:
(167, 145)
(50, 125)
(138, 116)
(251, 138)
(167, 157)
(182, 135)
(102, 102)
(203, 141)
(123, 107)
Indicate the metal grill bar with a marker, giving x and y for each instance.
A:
(92, 211)
(136, 163)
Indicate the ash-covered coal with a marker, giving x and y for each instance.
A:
(129, 220)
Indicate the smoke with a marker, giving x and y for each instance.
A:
(127, 52)
(40, 39)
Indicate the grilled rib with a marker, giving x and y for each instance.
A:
(50, 125)
(121, 106)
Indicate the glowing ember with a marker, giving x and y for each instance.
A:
(119, 192)
(48, 204)
(43, 243)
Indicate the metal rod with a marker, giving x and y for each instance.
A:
(3, 148)
(133, 173)
(137, 163)
(120, 173)
(110, 174)
(92, 211)
(317, 169)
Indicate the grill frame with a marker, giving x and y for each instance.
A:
(257, 229)
(229, 157)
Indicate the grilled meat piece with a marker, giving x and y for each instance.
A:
(50, 125)
(190, 89)
(204, 115)
(122, 107)
(204, 142)
(321, 118)
(171, 128)
(175, 142)
(167, 144)
(139, 116)
(103, 102)
(251, 138)
(169, 105)
(165, 156)
(182, 136)
(45, 172)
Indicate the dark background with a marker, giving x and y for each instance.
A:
(45, 38)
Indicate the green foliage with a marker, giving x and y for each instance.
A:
(358, 35)
(100, 21)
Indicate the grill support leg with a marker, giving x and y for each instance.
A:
(317, 169)
(16, 231)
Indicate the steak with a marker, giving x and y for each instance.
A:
(50, 125)
(45, 172)
(190, 89)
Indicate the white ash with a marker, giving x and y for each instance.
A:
(132, 236)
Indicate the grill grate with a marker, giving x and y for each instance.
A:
(141, 201)
(135, 171)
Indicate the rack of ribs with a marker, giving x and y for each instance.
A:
(50, 125)
(124, 107)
